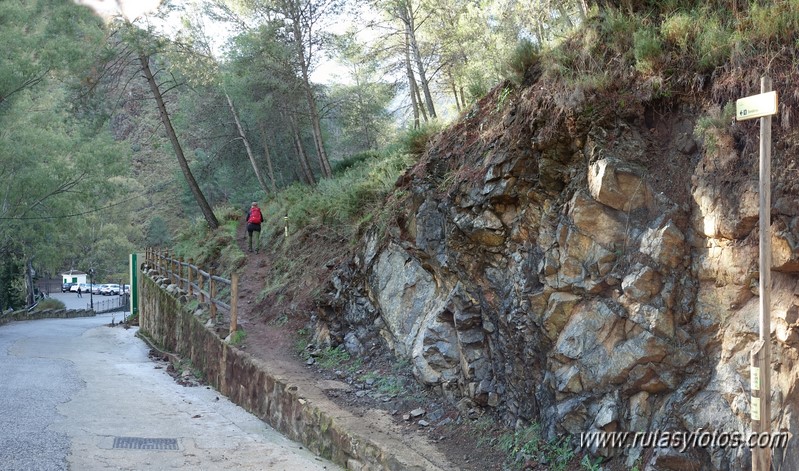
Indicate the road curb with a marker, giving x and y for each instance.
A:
(45, 314)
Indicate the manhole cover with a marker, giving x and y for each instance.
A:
(137, 443)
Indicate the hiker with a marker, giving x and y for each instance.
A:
(254, 220)
(79, 295)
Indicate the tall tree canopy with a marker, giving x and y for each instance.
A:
(57, 170)
(117, 132)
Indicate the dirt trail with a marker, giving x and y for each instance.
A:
(272, 336)
(266, 338)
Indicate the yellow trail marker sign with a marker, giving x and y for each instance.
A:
(756, 106)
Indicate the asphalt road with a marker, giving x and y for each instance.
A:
(76, 394)
(72, 301)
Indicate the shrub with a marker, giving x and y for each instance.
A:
(523, 56)
(774, 21)
(476, 85)
(713, 44)
(238, 337)
(192, 305)
(414, 141)
(341, 165)
(301, 343)
(590, 464)
(562, 61)
(330, 358)
(49, 303)
(712, 128)
(205, 247)
(390, 384)
(527, 443)
(679, 29)
(647, 49)
(619, 27)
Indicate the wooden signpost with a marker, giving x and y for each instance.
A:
(762, 106)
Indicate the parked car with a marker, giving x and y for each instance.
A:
(66, 287)
(109, 289)
(95, 288)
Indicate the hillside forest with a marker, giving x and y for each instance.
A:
(117, 133)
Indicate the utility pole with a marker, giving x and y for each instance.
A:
(29, 274)
(762, 106)
(91, 289)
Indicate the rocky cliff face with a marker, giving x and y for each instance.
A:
(588, 273)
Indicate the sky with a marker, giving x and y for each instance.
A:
(327, 72)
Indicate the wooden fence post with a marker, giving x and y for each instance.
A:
(190, 269)
(212, 295)
(234, 295)
(201, 285)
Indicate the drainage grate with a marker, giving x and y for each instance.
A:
(137, 443)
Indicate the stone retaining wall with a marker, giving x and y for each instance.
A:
(247, 381)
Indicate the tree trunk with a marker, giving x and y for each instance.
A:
(250, 155)
(419, 100)
(454, 90)
(539, 27)
(411, 83)
(565, 14)
(583, 9)
(208, 213)
(268, 157)
(302, 157)
(364, 123)
(407, 17)
(324, 163)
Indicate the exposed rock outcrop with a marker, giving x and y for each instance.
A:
(589, 278)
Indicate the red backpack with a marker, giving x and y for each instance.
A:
(255, 216)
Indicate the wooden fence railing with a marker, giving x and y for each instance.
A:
(199, 283)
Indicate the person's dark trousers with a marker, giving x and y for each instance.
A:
(256, 228)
